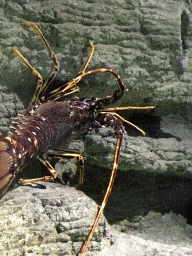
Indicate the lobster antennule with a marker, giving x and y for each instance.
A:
(6, 176)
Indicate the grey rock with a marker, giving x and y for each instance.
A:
(46, 219)
(149, 44)
(154, 155)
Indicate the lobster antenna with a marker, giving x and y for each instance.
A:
(128, 108)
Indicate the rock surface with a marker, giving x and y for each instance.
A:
(45, 219)
(149, 44)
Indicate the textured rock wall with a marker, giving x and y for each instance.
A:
(149, 44)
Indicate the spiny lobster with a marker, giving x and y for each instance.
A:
(48, 121)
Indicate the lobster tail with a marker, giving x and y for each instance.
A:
(6, 176)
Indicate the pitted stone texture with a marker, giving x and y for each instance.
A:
(156, 156)
(46, 219)
(149, 44)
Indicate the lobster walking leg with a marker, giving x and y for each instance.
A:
(70, 154)
(107, 194)
(45, 178)
(57, 154)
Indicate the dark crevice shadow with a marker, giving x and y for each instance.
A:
(150, 124)
(185, 21)
(178, 59)
(136, 194)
